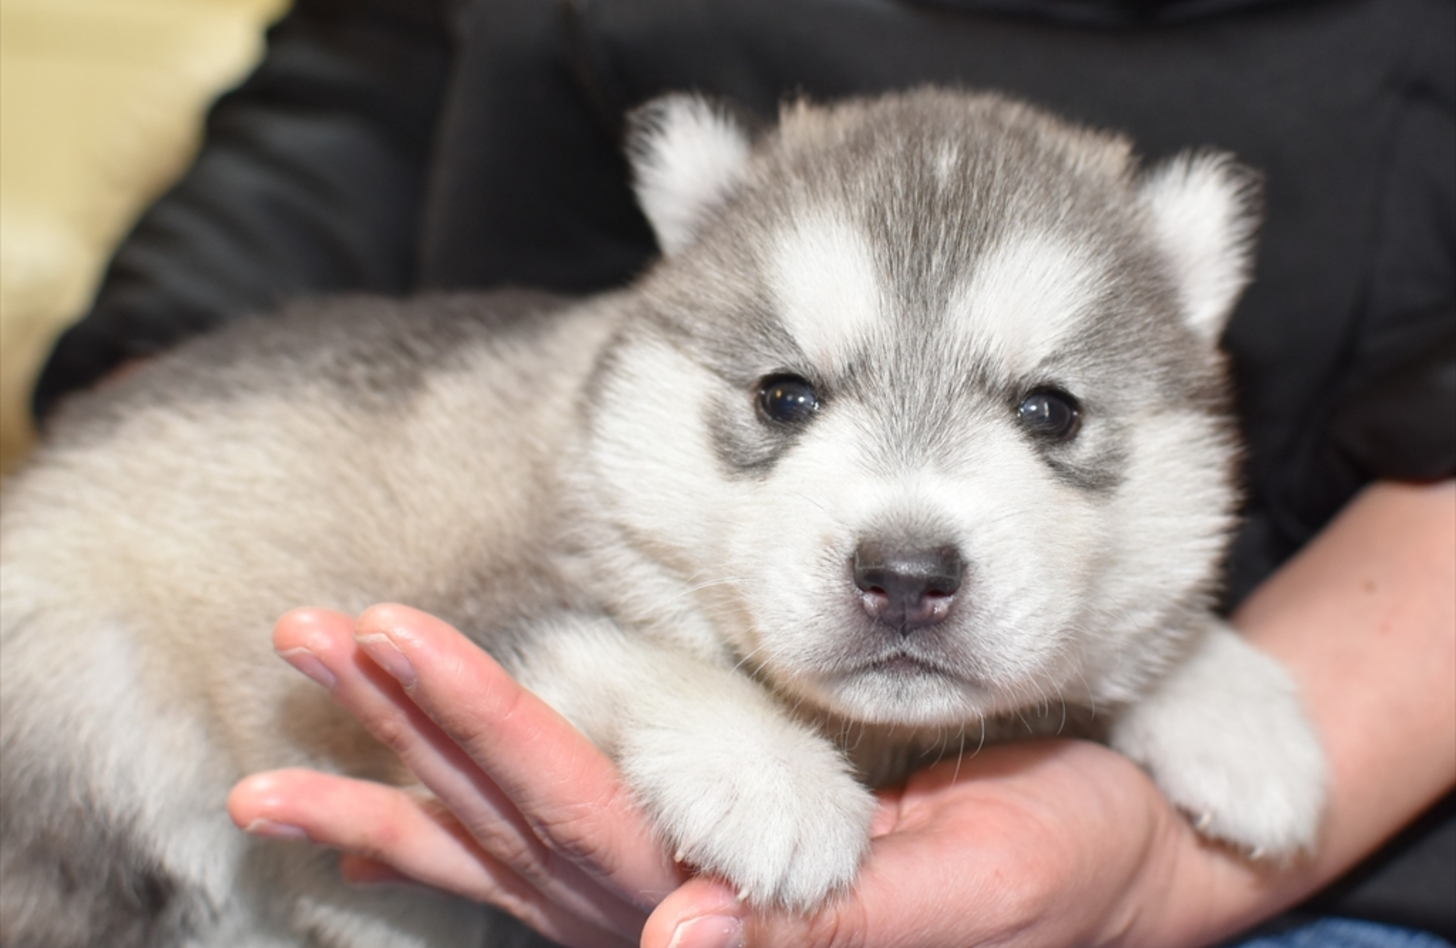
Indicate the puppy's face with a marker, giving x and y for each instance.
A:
(926, 406)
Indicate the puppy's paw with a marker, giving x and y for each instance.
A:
(1226, 739)
(780, 818)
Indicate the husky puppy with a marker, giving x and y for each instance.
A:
(920, 427)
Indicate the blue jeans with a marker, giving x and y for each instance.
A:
(1344, 933)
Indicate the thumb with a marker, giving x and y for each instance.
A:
(706, 913)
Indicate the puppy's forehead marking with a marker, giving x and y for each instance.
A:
(824, 278)
(1025, 297)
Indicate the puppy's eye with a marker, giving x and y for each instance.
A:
(787, 399)
(1050, 413)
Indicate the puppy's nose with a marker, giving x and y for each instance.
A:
(907, 588)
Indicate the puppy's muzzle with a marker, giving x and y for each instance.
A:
(907, 588)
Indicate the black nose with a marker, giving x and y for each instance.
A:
(907, 588)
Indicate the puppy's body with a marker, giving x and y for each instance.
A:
(686, 514)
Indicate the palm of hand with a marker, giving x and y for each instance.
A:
(1041, 844)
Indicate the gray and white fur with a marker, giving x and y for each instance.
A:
(919, 428)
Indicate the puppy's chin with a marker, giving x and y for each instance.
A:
(899, 691)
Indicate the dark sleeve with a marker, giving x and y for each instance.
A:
(309, 180)
(1392, 413)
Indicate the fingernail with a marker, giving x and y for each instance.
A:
(308, 663)
(709, 931)
(388, 657)
(274, 830)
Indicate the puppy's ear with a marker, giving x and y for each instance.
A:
(1205, 209)
(687, 155)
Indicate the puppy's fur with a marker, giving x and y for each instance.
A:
(609, 496)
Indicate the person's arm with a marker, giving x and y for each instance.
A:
(1052, 843)
(309, 180)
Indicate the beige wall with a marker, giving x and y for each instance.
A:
(100, 107)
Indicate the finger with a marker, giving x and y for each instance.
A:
(400, 837)
(363, 818)
(706, 913)
(571, 793)
(361, 870)
(321, 644)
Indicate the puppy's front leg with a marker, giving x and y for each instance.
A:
(1226, 738)
(737, 787)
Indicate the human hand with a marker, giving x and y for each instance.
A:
(526, 814)
(529, 816)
